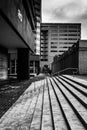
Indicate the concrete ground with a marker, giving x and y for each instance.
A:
(11, 91)
(48, 104)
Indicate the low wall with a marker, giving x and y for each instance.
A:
(66, 62)
(83, 57)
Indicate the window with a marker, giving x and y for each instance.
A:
(73, 26)
(63, 43)
(72, 38)
(72, 30)
(61, 51)
(63, 47)
(63, 30)
(61, 34)
(72, 34)
(54, 38)
(44, 59)
(54, 42)
(13, 66)
(53, 46)
(53, 50)
(54, 34)
(62, 38)
(63, 26)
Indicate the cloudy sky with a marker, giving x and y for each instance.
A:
(66, 11)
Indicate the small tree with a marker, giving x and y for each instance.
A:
(46, 69)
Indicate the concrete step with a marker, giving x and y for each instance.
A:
(77, 107)
(78, 87)
(77, 80)
(37, 118)
(78, 95)
(71, 117)
(46, 118)
(58, 118)
(49, 104)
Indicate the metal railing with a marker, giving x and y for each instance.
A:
(66, 71)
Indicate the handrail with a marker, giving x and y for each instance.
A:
(66, 70)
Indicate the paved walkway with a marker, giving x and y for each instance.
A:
(49, 104)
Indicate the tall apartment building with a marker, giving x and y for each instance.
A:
(18, 25)
(56, 38)
(38, 21)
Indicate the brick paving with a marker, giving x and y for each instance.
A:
(48, 104)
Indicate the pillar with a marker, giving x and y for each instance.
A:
(3, 63)
(23, 64)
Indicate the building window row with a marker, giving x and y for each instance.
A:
(61, 50)
(53, 46)
(63, 47)
(73, 34)
(72, 39)
(62, 38)
(44, 59)
(62, 30)
(54, 38)
(73, 30)
(43, 55)
(53, 51)
(54, 34)
(54, 31)
(54, 42)
(63, 26)
(44, 42)
(44, 47)
(61, 34)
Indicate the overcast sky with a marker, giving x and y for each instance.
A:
(66, 11)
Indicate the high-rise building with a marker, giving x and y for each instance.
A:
(18, 25)
(56, 38)
(38, 19)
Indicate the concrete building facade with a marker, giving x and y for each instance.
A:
(56, 38)
(72, 61)
(18, 22)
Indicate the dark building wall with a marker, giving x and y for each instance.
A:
(76, 57)
(83, 57)
(67, 62)
(23, 64)
(15, 12)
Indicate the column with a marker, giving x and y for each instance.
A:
(23, 64)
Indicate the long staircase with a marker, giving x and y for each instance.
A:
(56, 103)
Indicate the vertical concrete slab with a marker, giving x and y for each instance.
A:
(23, 64)
(3, 63)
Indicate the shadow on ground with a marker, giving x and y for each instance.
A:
(10, 92)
